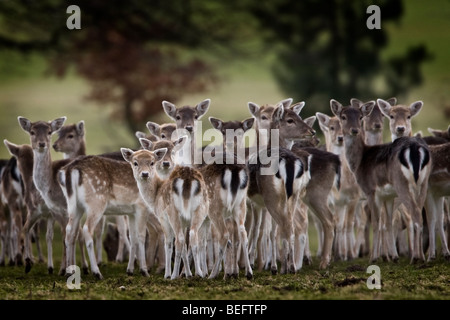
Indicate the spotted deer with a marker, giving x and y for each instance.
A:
(398, 169)
(72, 143)
(400, 125)
(45, 173)
(180, 202)
(323, 167)
(227, 182)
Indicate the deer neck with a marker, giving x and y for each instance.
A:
(42, 171)
(149, 190)
(373, 138)
(354, 147)
(81, 151)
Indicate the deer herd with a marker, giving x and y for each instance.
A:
(239, 205)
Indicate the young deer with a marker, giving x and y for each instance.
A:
(439, 181)
(399, 169)
(227, 188)
(36, 208)
(72, 143)
(345, 199)
(11, 192)
(45, 172)
(324, 167)
(180, 203)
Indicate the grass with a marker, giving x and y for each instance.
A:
(343, 280)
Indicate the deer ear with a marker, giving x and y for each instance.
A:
(139, 134)
(385, 107)
(202, 108)
(324, 120)
(80, 128)
(170, 109)
(254, 109)
(146, 144)
(12, 148)
(297, 108)
(336, 107)
(278, 113)
(24, 123)
(154, 128)
(160, 153)
(355, 103)
(57, 124)
(415, 107)
(216, 123)
(126, 154)
(286, 102)
(310, 121)
(247, 124)
(367, 108)
(392, 101)
(178, 143)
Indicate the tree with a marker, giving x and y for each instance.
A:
(133, 53)
(326, 50)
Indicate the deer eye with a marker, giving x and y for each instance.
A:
(152, 163)
(49, 133)
(32, 133)
(163, 136)
(264, 118)
(332, 128)
(409, 117)
(135, 163)
(70, 136)
(178, 118)
(360, 118)
(290, 121)
(392, 117)
(196, 117)
(344, 118)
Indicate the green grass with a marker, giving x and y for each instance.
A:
(343, 281)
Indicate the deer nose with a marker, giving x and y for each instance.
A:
(144, 174)
(340, 138)
(189, 128)
(41, 144)
(166, 164)
(377, 126)
(354, 131)
(400, 129)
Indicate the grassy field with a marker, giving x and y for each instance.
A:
(42, 98)
(343, 280)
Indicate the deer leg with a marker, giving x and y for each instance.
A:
(375, 219)
(124, 242)
(349, 229)
(240, 213)
(440, 227)
(98, 240)
(32, 217)
(223, 239)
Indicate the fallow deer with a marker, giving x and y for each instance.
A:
(227, 183)
(438, 184)
(324, 168)
(346, 199)
(36, 208)
(180, 202)
(72, 143)
(45, 172)
(11, 192)
(398, 169)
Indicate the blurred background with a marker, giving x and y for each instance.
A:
(128, 56)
